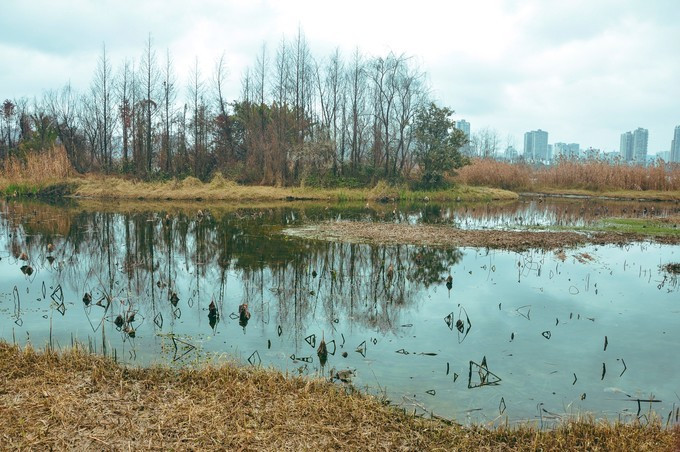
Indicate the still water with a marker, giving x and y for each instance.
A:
(519, 336)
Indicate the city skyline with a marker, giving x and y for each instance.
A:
(613, 69)
(633, 145)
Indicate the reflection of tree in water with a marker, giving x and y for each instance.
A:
(136, 258)
(430, 264)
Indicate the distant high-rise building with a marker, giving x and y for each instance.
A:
(464, 126)
(528, 146)
(640, 137)
(626, 147)
(664, 156)
(560, 150)
(574, 150)
(675, 146)
(536, 145)
(566, 151)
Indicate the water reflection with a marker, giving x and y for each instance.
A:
(526, 328)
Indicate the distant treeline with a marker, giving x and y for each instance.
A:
(298, 119)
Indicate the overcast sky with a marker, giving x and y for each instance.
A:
(583, 70)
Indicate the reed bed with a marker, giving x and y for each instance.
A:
(74, 400)
(592, 175)
(48, 165)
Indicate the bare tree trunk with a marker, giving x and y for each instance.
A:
(168, 100)
(150, 82)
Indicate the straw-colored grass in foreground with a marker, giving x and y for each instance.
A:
(76, 400)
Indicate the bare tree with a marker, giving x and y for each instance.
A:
(169, 97)
(411, 96)
(282, 74)
(357, 89)
(302, 85)
(125, 105)
(63, 108)
(149, 77)
(103, 105)
(196, 95)
(261, 68)
(485, 143)
(329, 87)
(385, 83)
(224, 148)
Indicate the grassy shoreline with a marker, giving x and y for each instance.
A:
(219, 189)
(77, 400)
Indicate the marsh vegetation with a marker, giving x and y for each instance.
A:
(450, 330)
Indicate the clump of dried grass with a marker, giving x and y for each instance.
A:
(492, 173)
(38, 167)
(81, 401)
(567, 174)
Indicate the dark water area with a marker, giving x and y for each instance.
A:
(533, 335)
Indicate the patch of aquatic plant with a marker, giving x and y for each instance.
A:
(673, 268)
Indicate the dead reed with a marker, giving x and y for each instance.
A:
(591, 175)
(46, 166)
(190, 188)
(74, 400)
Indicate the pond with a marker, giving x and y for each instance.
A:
(537, 335)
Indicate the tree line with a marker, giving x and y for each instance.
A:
(298, 119)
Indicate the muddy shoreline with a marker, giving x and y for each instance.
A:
(447, 236)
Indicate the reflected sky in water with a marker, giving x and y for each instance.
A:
(521, 335)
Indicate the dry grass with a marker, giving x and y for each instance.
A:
(569, 175)
(79, 401)
(190, 188)
(492, 173)
(106, 187)
(441, 235)
(47, 166)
